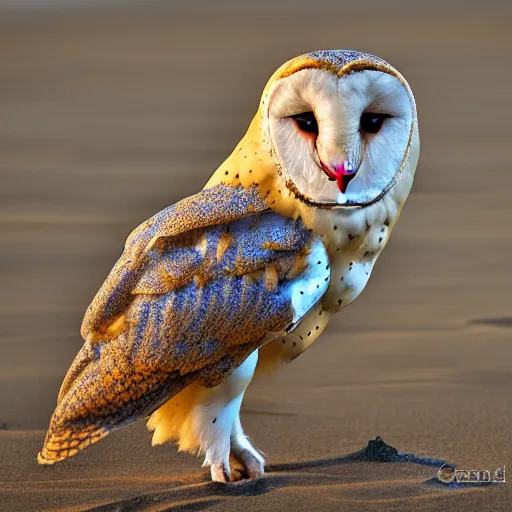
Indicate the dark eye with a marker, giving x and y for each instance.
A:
(371, 122)
(306, 122)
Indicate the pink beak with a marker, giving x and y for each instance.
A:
(340, 173)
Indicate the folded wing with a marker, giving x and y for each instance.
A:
(198, 288)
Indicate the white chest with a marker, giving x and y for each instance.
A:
(352, 263)
(339, 268)
(354, 241)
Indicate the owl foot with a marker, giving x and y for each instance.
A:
(244, 454)
(252, 464)
(221, 473)
(246, 466)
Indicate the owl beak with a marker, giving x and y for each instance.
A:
(341, 173)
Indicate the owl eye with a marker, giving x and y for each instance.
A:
(372, 122)
(306, 122)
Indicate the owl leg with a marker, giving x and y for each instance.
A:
(244, 452)
(219, 418)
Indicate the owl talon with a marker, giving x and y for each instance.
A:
(237, 475)
(221, 473)
(252, 465)
(246, 466)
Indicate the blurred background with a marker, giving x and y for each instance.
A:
(110, 111)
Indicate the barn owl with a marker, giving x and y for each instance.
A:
(244, 275)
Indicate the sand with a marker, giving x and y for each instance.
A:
(107, 117)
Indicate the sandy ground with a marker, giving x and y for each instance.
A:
(108, 117)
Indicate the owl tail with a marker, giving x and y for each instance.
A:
(103, 391)
(60, 446)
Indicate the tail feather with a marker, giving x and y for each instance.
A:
(103, 391)
(60, 447)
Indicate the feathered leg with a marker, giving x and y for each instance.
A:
(207, 420)
(220, 431)
(215, 438)
(243, 451)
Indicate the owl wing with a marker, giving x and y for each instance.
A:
(217, 205)
(198, 288)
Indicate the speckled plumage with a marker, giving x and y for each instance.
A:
(212, 207)
(189, 314)
(245, 273)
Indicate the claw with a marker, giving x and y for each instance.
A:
(221, 473)
(252, 465)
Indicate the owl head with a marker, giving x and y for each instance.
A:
(335, 129)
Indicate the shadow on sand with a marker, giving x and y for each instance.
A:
(198, 493)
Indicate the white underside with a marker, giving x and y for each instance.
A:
(207, 420)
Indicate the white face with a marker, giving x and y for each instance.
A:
(340, 140)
